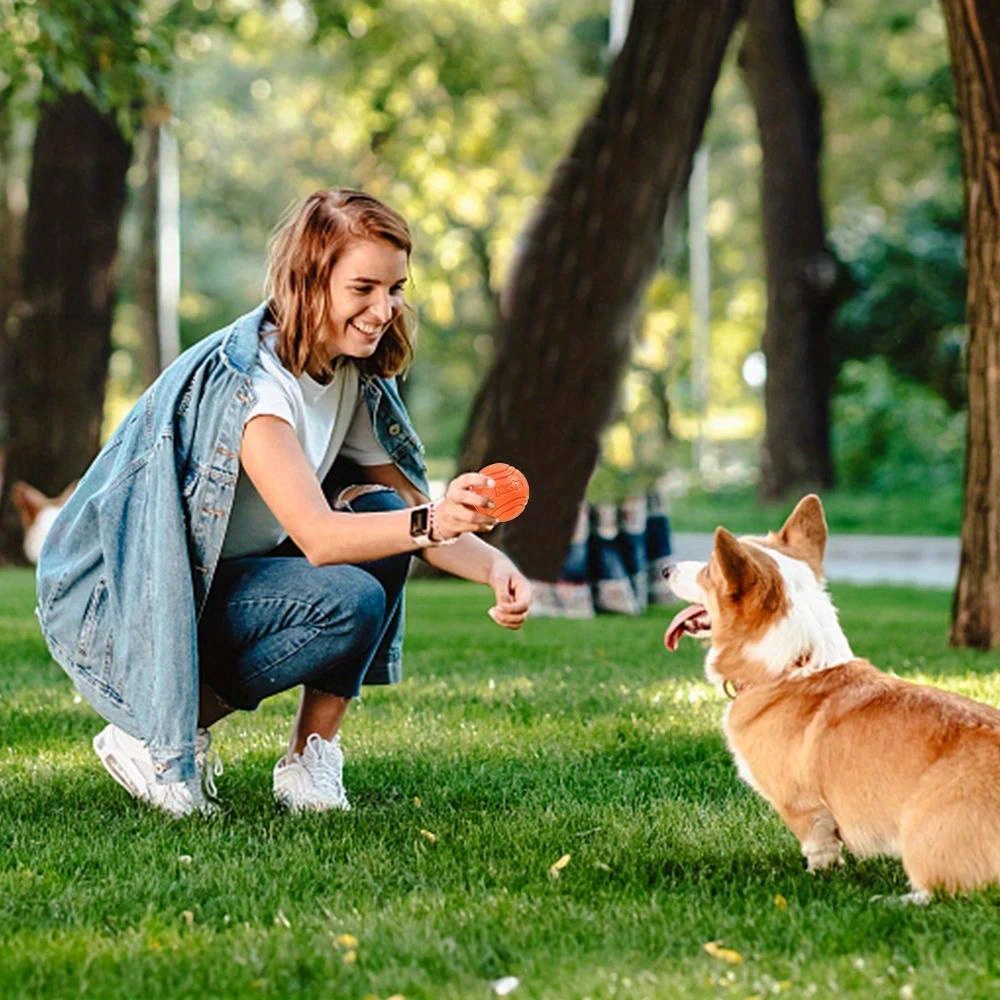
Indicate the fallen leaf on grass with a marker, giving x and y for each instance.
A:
(780, 902)
(505, 984)
(350, 957)
(188, 916)
(427, 835)
(346, 941)
(723, 954)
(559, 865)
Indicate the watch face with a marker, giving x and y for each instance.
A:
(420, 519)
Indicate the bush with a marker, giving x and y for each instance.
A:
(891, 434)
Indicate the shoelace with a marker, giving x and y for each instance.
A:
(208, 762)
(325, 767)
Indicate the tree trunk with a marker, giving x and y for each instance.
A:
(586, 258)
(147, 283)
(801, 269)
(59, 352)
(974, 40)
(11, 228)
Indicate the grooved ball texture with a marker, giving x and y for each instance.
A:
(510, 494)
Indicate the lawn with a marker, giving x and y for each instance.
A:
(582, 743)
(866, 512)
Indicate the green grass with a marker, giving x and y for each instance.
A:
(498, 755)
(739, 509)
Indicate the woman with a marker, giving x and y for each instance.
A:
(248, 527)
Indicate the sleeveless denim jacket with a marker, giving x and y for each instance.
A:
(123, 575)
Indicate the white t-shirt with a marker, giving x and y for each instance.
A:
(328, 420)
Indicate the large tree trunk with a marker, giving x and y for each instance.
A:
(11, 229)
(801, 269)
(60, 349)
(974, 40)
(586, 258)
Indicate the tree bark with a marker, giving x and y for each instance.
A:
(801, 269)
(585, 260)
(60, 349)
(974, 41)
(147, 283)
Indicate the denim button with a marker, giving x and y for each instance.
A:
(394, 429)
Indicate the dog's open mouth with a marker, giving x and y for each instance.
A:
(693, 620)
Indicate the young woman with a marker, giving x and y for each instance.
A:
(248, 527)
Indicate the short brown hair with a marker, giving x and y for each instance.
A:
(304, 247)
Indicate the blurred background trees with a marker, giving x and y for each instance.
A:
(458, 113)
(583, 265)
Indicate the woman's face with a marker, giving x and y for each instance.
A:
(366, 294)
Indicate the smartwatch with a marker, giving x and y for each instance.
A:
(420, 525)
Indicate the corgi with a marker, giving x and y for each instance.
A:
(37, 512)
(849, 756)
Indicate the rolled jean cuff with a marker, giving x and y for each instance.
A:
(349, 494)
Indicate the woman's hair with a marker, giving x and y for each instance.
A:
(304, 247)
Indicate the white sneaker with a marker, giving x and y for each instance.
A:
(128, 761)
(314, 779)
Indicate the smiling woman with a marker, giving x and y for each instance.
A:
(337, 267)
(249, 526)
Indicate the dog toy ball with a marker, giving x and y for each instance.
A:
(510, 494)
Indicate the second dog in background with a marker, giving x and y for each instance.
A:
(37, 512)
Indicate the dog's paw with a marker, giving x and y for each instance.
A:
(819, 859)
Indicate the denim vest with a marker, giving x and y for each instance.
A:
(123, 575)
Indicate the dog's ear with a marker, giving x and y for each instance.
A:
(805, 530)
(735, 563)
(28, 501)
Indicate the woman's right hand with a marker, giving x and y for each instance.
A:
(461, 509)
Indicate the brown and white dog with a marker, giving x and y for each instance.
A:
(37, 512)
(847, 755)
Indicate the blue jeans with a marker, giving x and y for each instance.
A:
(275, 621)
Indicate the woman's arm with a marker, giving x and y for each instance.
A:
(474, 559)
(273, 459)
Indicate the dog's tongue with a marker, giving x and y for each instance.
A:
(691, 619)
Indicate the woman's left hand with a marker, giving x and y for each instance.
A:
(513, 595)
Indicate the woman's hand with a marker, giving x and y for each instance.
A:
(461, 509)
(513, 594)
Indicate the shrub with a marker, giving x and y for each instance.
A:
(891, 434)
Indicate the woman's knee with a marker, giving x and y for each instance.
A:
(369, 607)
(349, 604)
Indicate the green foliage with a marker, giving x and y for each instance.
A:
(117, 52)
(892, 435)
(909, 301)
(500, 754)
(454, 112)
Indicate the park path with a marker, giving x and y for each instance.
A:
(916, 561)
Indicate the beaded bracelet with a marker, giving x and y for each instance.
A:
(430, 529)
